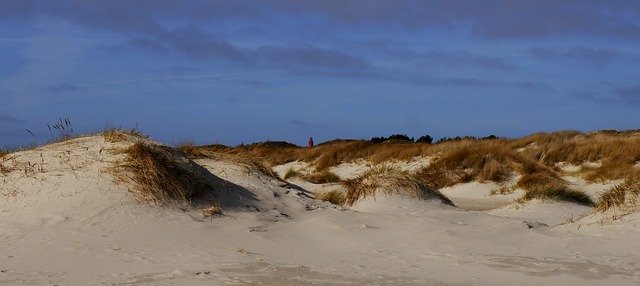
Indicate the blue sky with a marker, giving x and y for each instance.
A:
(244, 71)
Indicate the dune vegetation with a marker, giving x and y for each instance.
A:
(158, 174)
(623, 196)
(390, 181)
(536, 159)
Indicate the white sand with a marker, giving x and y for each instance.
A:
(68, 223)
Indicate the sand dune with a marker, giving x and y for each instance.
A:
(67, 219)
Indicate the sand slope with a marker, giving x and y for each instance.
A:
(67, 221)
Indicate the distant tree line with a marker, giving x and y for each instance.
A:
(427, 138)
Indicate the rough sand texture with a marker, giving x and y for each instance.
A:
(71, 224)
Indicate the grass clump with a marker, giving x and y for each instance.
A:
(322, 177)
(291, 173)
(624, 195)
(159, 175)
(211, 212)
(335, 197)
(558, 194)
(391, 182)
(121, 134)
(191, 150)
(465, 161)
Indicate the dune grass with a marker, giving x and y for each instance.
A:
(191, 150)
(458, 161)
(322, 177)
(291, 173)
(465, 161)
(121, 134)
(391, 182)
(157, 175)
(558, 194)
(624, 195)
(335, 197)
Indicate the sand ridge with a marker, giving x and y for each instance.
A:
(66, 220)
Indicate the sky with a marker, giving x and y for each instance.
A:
(233, 72)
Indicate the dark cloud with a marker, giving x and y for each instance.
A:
(255, 83)
(182, 70)
(65, 87)
(630, 95)
(457, 59)
(10, 119)
(10, 10)
(596, 57)
(493, 19)
(309, 56)
(480, 83)
(299, 123)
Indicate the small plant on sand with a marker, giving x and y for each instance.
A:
(211, 212)
(120, 134)
(558, 194)
(63, 128)
(391, 182)
(335, 197)
(323, 177)
(503, 190)
(291, 173)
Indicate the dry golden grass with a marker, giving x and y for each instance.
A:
(558, 194)
(322, 177)
(158, 176)
(467, 160)
(464, 161)
(211, 212)
(392, 182)
(503, 190)
(291, 173)
(335, 197)
(618, 152)
(624, 195)
(192, 151)
(121, 134)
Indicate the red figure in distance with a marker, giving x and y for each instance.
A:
(310, 142)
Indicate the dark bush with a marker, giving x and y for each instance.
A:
(425, 139)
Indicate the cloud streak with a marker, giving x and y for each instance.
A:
(598, 58)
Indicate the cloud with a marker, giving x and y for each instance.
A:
(17, 9)
(310, 56)
(298, 123)
(630, 94)
(463, 59)
(10, 119)
(65, 87)
(255, 83)
(599, 58)
(493, 19)
(480, 83)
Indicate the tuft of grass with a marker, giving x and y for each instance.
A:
(622, 195)
(558, 194)
(335, 197)
(120, 134)
(291, 173)
(389, 181)
(158, 175)
(62, 127)
(503, 190)
(191, 150)
(465, 161)
(322, 177)
(211, 212)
